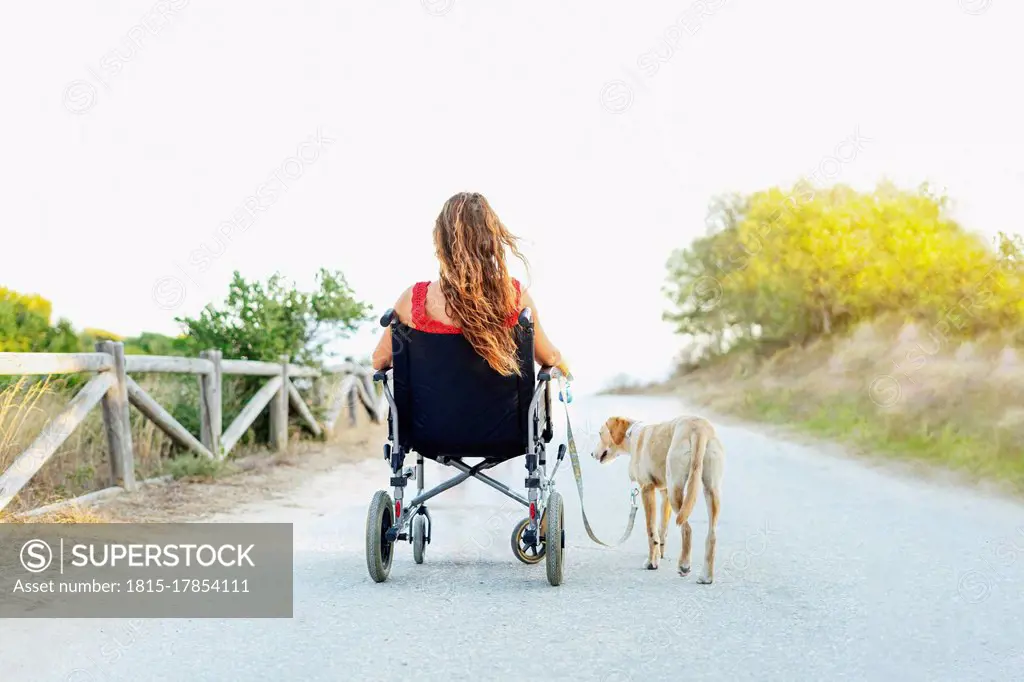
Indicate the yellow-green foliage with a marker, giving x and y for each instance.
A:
(786, 266)
(25, 327)
(24, 322)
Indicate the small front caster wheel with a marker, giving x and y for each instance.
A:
(419, 537)
(528, 554)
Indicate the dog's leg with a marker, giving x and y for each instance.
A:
(712, 499)
(666, 515)
(649, 494)
(676, 491)
(684, 556)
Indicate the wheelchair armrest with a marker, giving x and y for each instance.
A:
(547, 373)
(388, 317)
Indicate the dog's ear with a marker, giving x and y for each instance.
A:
(617, 427)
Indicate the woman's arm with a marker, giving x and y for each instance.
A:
(544, 351)
(383, 353)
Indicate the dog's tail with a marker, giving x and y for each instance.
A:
(696, 471)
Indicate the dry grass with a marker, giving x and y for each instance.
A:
(70, 514)
(81, 463)
(896, 389)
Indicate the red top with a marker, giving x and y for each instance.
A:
(423, 323)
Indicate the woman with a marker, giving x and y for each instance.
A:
(474, 296)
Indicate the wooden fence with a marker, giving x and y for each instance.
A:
(116, 390)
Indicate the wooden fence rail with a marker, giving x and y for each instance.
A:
(115, 390)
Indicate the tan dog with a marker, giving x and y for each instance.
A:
(673, 457)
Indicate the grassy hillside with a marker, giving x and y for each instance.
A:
(961, 408)
(872, 318)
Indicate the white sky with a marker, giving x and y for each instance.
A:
(101, 205)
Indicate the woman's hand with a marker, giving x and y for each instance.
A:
(563, 367)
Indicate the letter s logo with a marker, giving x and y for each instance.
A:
(36, 556)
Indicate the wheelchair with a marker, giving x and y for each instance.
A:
(448, 405)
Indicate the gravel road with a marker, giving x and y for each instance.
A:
(828, 569)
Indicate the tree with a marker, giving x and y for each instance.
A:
(786, 266)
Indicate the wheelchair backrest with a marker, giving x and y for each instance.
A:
(450, 401)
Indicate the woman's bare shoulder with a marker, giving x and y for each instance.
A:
(403, 306)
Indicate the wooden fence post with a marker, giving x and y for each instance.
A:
(319, 403)
(353, 398)
(353, 395)
(116, 420)
(371, 392)
(318, 395)
(279, 412)
(211, 403)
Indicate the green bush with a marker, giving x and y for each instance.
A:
(193, 467)
(263, 321)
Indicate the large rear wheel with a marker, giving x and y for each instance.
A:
(554, 539)
(379, 552)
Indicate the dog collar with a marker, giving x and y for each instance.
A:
(634, 425)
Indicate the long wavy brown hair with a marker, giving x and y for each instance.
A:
(471, 242)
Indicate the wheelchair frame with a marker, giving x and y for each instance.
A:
(390, 520)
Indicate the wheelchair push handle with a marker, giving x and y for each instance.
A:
(547, 373)
(388, 317)
(525, 318)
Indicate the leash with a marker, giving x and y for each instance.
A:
(578, 474)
